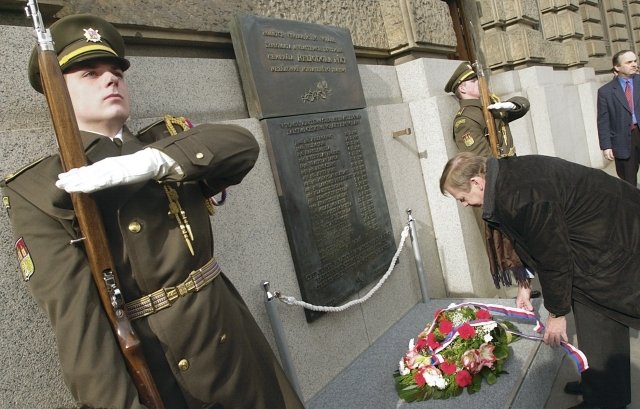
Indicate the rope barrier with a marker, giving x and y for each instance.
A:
(289, 300)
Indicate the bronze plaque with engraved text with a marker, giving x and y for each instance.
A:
(291, 68)
(332, 201)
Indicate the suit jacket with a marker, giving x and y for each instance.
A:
(614, 117)
(206, 348)
(578, 227)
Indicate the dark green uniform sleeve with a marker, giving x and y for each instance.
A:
(522, 107)
(469, 135)
(62, 286)
(219, 155)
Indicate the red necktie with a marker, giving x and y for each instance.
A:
(627, 93)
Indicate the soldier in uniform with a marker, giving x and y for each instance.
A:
(202, 345)
(469, 129)
(471, 135)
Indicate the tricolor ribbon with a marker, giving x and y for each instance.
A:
(516, 313)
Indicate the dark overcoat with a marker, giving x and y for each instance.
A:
(578, 227)
(206, 348)
(614, 117)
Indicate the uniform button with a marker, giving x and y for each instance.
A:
(183, 364)
(135, 227)
(199, 155)
(222, 339)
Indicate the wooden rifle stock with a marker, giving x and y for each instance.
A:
(485, 99)
(91, 225)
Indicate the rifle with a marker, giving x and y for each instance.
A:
(485, 98)
(96, 246)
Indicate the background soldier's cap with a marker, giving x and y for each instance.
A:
(463, 73)
(80, 38)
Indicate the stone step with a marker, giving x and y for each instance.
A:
(368, 382)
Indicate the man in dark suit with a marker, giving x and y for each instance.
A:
(618, 115)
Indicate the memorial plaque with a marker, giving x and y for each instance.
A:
(332, 201)
(291, 68)
(302, 81)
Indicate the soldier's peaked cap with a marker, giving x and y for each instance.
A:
(463, 73)
(80, 38)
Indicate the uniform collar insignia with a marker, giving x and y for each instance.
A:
(92, 35)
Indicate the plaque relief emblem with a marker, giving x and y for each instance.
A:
(322, 91)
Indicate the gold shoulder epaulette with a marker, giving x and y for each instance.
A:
(151, 125)
(169, 123)
(17, 173)
(181, 121)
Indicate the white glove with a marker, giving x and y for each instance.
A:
(143, 165)
(502, 106)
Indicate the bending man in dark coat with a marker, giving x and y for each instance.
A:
(580, 229)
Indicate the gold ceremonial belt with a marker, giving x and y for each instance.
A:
(165, 297)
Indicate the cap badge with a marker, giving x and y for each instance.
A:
(92, 35)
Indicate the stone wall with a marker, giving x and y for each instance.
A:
(175, 71)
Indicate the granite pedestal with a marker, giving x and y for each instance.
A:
(368, 381)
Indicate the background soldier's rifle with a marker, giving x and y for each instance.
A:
(485, 99)
(91, 225)
(485, 96)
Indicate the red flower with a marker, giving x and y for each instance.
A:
(438, 311)
(483, 314)
(420, 381)
(431, 341)
(448, 368)
(466, 331)
(422, 342)
(445, 326)
(463, 378)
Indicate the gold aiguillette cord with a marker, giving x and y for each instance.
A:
(181, 216)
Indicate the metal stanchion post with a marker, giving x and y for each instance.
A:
(416, 253)
(281, 341)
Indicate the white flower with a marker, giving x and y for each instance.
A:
(433, 377)
(403, 369)
(411, 344)
(488, 328)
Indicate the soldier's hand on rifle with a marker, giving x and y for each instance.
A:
(141, 166)
(502, 106)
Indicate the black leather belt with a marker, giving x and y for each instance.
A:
(167, 296)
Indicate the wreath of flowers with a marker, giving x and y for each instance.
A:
(461, 347)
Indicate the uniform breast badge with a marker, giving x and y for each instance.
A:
(24, 259)
(467, 139)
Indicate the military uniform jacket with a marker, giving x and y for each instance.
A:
(578, 227)
(206, 348)
(470, 131)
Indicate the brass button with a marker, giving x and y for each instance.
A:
(223, 339)
(183, 364)
(135, 227)
(199, 155)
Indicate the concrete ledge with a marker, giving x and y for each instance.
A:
(368, 381)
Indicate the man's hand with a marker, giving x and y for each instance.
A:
(141, 166)
(555, 331)
(608, 154)
(523, 299)
(502, 106)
